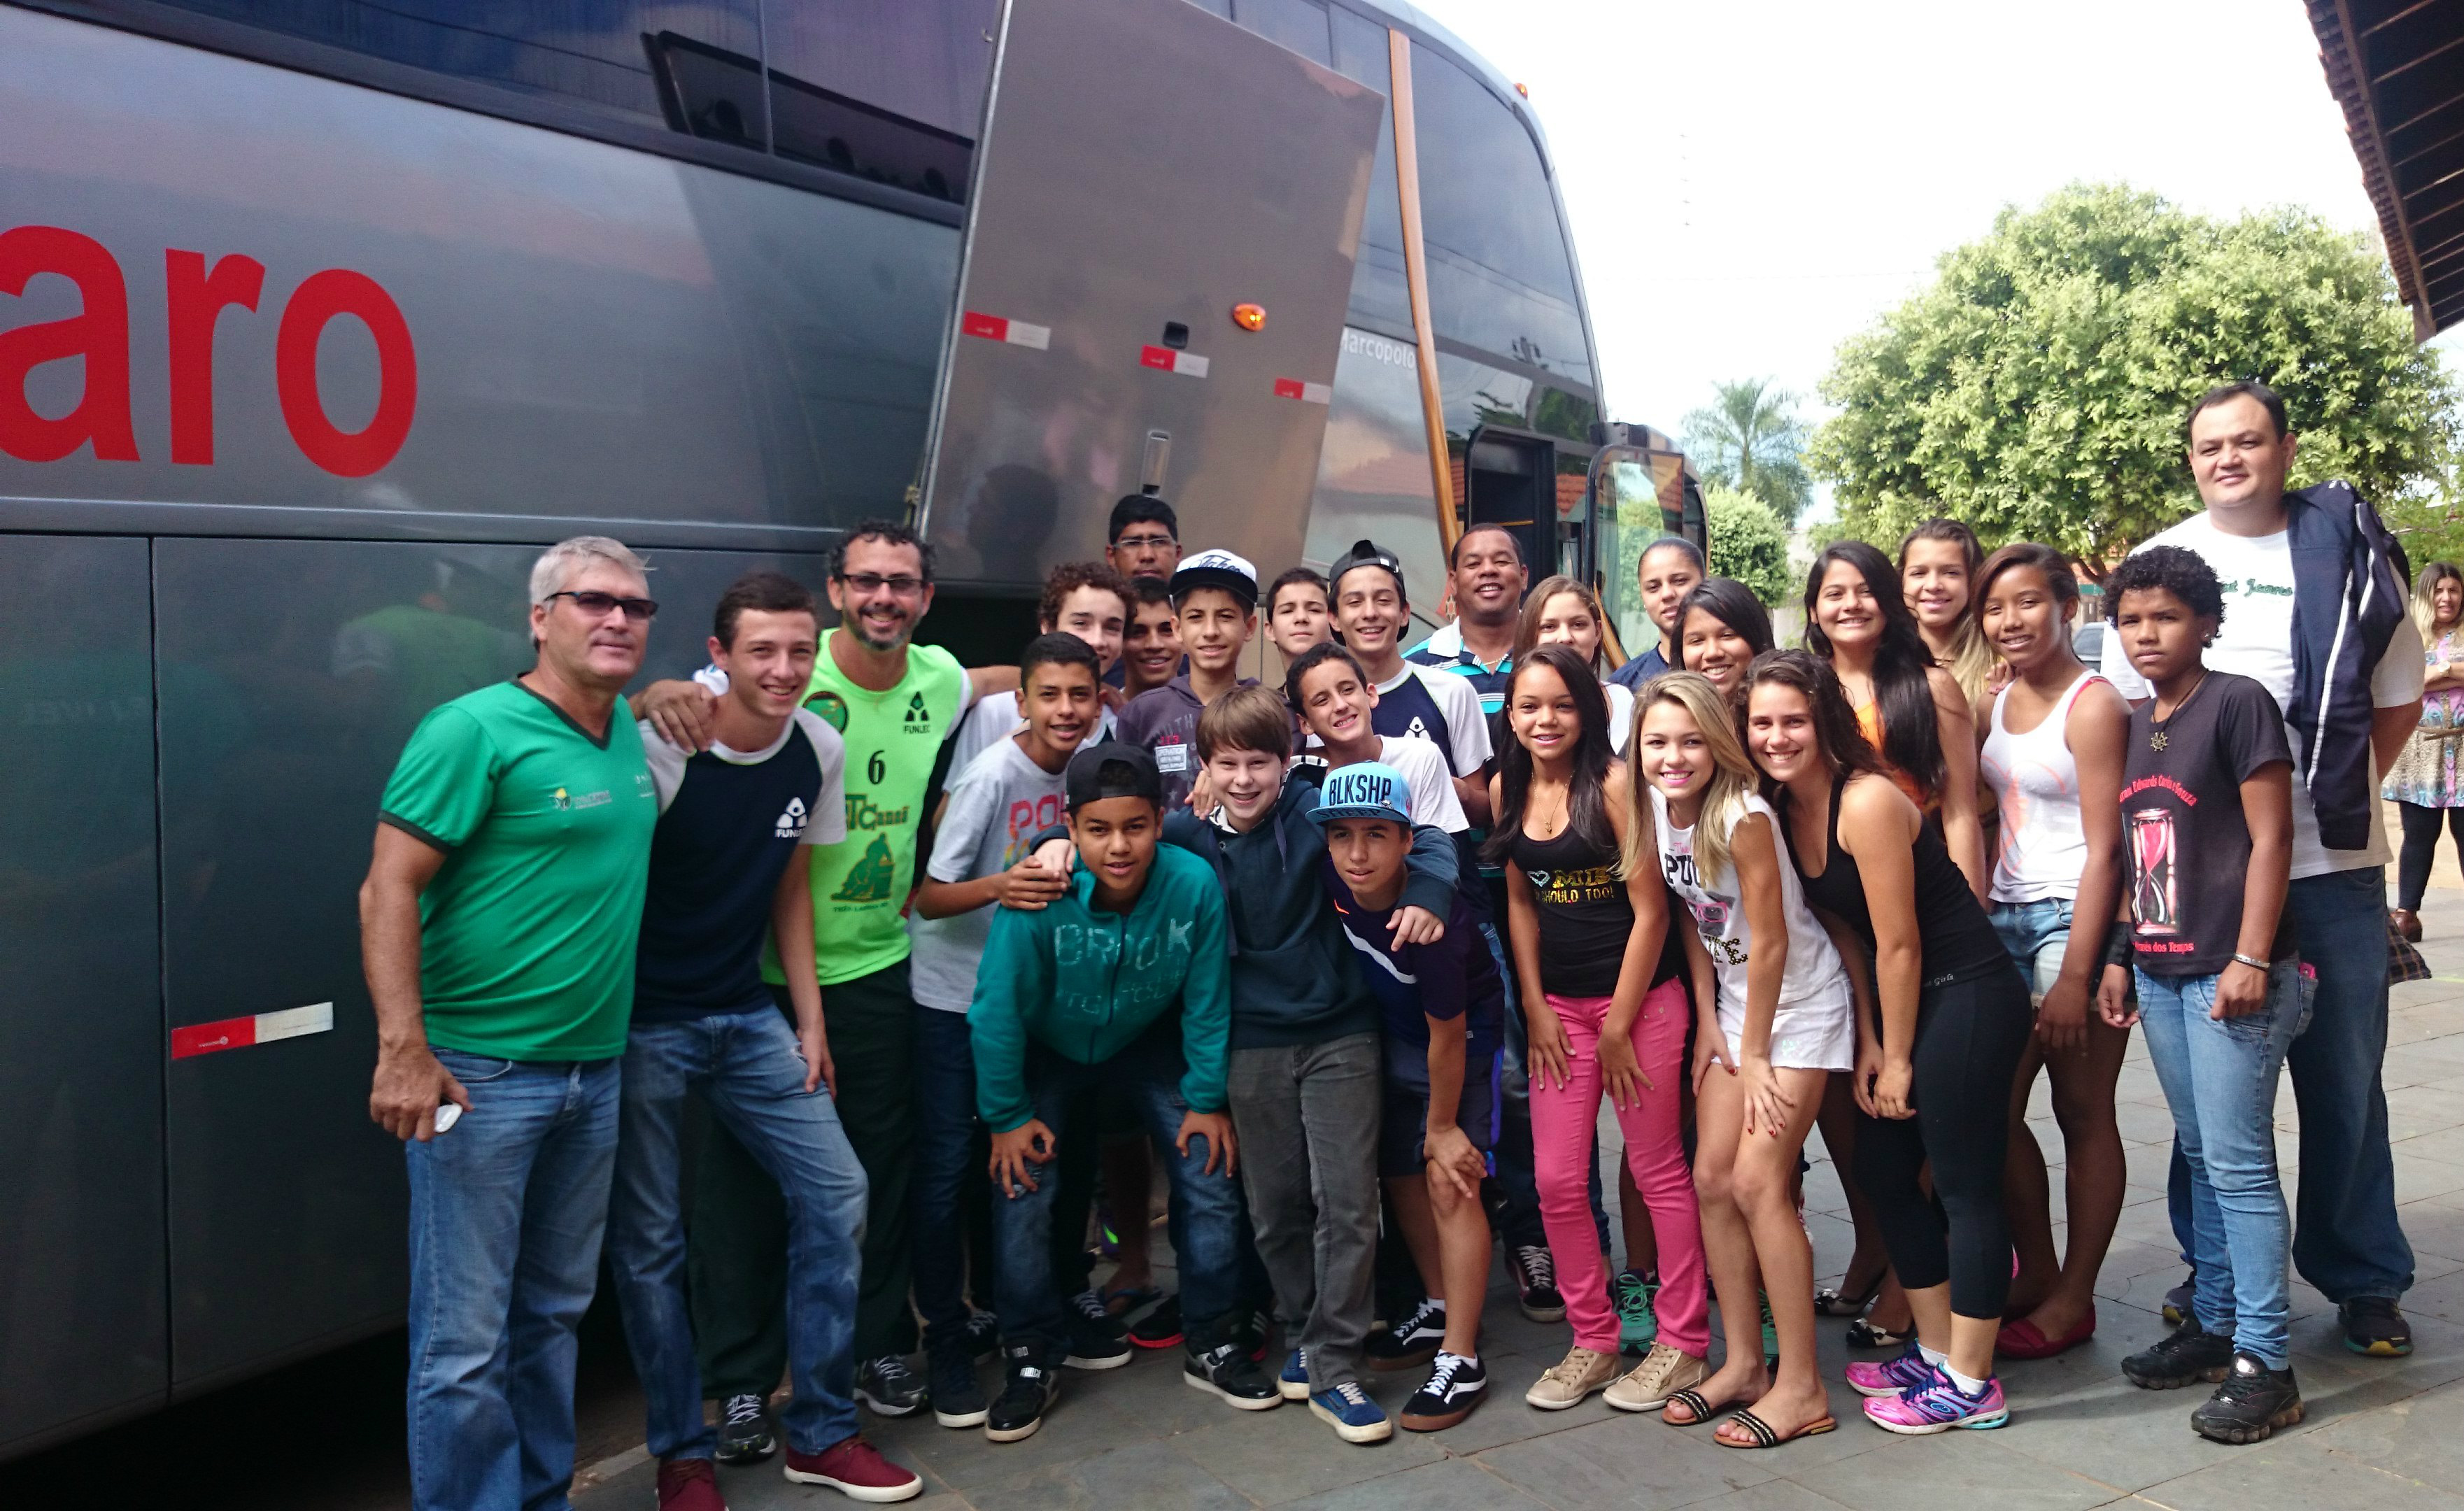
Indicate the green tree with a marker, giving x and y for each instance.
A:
(2036, 389)
(1750, 439)
(1748, 543)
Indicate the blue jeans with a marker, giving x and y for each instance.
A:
(947, 1149)
(1206, 1215)
(747, 1067)
(506, 1215)
(2219, 1077)
(2036, 935)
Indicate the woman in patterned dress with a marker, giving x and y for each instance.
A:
(2422, 782)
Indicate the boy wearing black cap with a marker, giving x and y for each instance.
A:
(1121, 982)
(1374, 613)
(1215, 597)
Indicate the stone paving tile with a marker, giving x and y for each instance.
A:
(2297, 1474)
(1953, 1471)
(1452, 1485)
(1145, 1474)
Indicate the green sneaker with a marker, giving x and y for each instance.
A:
(1771, 1330)
(1638, 1325)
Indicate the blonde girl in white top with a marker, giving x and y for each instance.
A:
(1763, 1056)
(2052, 755)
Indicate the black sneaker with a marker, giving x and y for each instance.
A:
(2187, 1354)
(957, 1401)
(1226, 1368)
(1535, 1282)
(1412, 1342)
(1456, 1385)
(983, 1336)
(1249, 1330)
(1159, 1328)
(2373, 1326)
(888, 1387)
(2253, 1402)
(1097, 1340)
(1031, 1386)
(746, 1432)
(2177, 1301)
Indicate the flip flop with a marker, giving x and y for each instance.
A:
(1763, 1436)
(1829, 1301)
(1692, 1401)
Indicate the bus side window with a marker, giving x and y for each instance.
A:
(891, 93)
(1296, 24)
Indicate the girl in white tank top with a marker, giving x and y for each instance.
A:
(2035, 778)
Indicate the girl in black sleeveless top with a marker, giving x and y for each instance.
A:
(1587, 936)
(1934, 1083)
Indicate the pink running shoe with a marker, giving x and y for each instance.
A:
(1891, 1376)
(1937, 1407)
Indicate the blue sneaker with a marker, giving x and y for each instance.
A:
(1637, 1324)
(1294, 1382)
(1355, 1417)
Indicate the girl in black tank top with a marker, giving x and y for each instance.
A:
(1588, 933)
(1934, 1083)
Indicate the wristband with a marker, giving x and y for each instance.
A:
(2117, 945)
(2252, 962)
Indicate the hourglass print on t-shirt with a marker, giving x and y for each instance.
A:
(2151, 867)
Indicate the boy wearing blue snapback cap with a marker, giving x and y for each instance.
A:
(1443, 1006)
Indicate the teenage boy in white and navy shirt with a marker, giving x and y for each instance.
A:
(1372, 610)
(730, 869)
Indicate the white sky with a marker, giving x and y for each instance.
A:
(1752, 182)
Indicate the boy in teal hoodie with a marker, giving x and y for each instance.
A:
(1123, 982)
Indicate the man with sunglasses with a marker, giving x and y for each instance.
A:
(893, 702)
(498, 928)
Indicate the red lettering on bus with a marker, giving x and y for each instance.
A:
(197, 299)
(323, 297)
(98, 333)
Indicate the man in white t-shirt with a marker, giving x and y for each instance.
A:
(2314, 609)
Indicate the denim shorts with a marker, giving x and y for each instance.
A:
(2036, 935)
(1403, 1122)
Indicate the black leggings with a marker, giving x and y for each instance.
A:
(2421, 848)
(1969, 1035)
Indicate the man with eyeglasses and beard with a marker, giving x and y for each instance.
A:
(497, 927)
(893, 702)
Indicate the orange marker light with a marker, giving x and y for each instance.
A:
(1520, 90)
(1249, 316)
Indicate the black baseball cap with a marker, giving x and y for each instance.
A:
(1368, 553)
(1111, 770)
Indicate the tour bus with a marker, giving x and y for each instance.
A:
(319, 318)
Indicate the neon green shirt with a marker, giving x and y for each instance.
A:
(859, 885)
(528, 930)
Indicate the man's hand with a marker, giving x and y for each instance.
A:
(1216, 1129)
(1452, 1160)
(1016, 1154)
(1416, 926)
(411, 1086)
(2061, 1018)
(684, 714)
(1030, 886)
(2241, 991)
(2113, 998)
(814, 1044)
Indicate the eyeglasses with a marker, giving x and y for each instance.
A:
(1145, 543)
(597, 604)
(874, 582)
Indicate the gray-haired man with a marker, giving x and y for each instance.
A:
(497, 927)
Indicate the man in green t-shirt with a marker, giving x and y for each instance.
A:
(893, 702)
(497, 928)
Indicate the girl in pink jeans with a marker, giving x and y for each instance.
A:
(1587, 932)
(1784, 1022)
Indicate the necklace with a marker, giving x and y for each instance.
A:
(2156, 726)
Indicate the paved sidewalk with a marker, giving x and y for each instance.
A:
(2388, 1433)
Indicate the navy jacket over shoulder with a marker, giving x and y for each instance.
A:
(2348, 597)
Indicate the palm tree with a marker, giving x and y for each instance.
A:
(1750, 439)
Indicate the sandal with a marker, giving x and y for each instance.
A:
(1831, 1302)
(1862, 1333)
(1764, 1437)
(1699, 1409)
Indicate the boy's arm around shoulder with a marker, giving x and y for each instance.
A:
(1015, 978)
(1432, 870)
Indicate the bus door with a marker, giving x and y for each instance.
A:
(1159, 250)
(1510, 483)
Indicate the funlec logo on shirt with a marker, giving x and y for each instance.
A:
(1416, 730)
(791, 823)
(919, 718)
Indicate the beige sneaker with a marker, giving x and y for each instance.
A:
(1662, 1373)
(1575, 1376)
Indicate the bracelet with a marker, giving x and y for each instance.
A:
(2117, 945)
(2252, 962)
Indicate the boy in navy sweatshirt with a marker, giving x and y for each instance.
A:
(1305, 1068)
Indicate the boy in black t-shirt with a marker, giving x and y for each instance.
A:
(2208, 823)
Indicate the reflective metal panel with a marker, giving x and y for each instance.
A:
(292, 671)
(80, 1003)
(1373, 478)
(579, 330)
(1145, 168)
